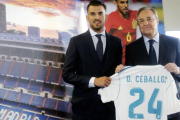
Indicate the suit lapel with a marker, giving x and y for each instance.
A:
(90, 47)
(163, 50)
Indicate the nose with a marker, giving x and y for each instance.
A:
(125, 5)
(145, 22)
(97, 16)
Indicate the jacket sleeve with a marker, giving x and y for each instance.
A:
(178, 54)
(69, 71)
(178, 58)
(128, 57)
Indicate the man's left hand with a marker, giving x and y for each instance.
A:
(119, 68)
(172, 67)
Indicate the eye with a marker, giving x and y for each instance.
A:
(100, 13)
(149, 19)
(141, 21)
(92, 13)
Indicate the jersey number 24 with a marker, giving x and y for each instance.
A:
(138, 102)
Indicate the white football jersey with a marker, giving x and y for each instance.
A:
(142, 92)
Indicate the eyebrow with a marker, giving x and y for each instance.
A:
(149, 17)
(124, 2)
(95, 12)
(146, 17)
(92, 12)
(141, 19)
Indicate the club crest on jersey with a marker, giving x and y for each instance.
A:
(120, 28)
(134, 24)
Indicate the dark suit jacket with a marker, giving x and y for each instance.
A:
(82, 63)
(169, 52)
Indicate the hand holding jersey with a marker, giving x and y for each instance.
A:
(173, 68)
(119, 68)
(102, 81)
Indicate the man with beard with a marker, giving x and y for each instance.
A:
(122, 23)
(91, 58)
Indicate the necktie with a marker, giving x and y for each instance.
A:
(152, 53)
(99, 47)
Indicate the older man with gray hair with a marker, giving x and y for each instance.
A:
(154, 48)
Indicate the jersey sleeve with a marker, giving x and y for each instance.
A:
(110, 93)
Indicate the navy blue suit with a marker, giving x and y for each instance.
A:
(169, 52)
(81, 64)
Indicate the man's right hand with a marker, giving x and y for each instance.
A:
(102, 81)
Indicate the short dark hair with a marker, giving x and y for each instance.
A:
(96, 3)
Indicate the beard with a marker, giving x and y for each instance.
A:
(97, 28)
(123, 13)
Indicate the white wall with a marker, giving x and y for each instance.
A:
(171, 10)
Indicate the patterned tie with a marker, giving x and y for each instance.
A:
(152, 52)
(99, 47)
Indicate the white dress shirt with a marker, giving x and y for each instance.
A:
(95, 40)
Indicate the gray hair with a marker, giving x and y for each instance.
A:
(147, 8)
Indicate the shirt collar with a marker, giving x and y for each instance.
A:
(94, 33)
(156, 38)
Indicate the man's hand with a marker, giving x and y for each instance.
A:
(172, 67)
(119, 68)
(102, 81)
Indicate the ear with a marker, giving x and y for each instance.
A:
(137, 23)
(106, 17)
(158, 21)
(115, 3)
